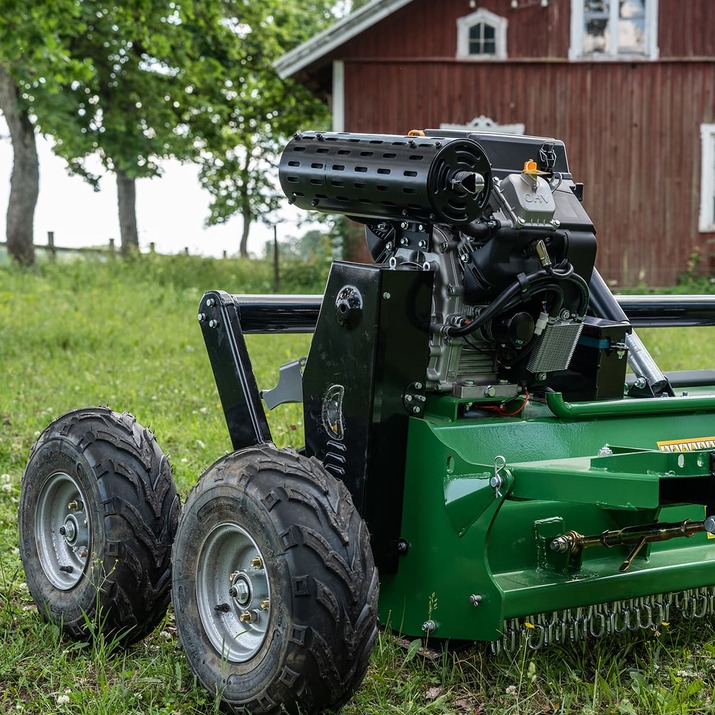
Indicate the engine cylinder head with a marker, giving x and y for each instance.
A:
(430, 179)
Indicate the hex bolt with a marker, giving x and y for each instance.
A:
(496, 482)
(541, 376)
(404, 241)
(202, 317)
(490, 391)
(257, 562)
(475, 599)
(561, 544)
(408, 398)
(418, 386)
(415, 410)
(404, 225)
(640, 383)
(402, 546)
(709, 524)
(213, 323)
(429, 626)
(210, 303)
(386, 295)
(565, 314)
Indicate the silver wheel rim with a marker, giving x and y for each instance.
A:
(233, 592)
(63, 531)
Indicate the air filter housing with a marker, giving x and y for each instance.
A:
(430, 179)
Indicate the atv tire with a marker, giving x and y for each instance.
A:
(98, 514)
(274, 584)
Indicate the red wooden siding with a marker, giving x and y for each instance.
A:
(632, 129)
(632, 132)
(428, 29)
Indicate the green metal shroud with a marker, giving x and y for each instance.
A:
(478, 555)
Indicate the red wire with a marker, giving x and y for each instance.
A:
(501, 411)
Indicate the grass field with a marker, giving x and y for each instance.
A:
(124, 334)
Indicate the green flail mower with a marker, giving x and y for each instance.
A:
(472, 435)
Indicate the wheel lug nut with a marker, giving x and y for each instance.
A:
(257, 563)
(82, 553)
(73, 506)
(245, 617)
(265, 604)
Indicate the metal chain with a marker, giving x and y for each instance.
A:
(633, 614)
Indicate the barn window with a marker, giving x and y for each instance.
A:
(608, 29)
(707, 184)
(481, 35)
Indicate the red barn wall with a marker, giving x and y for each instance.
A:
(632, 129)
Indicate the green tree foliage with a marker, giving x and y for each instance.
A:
(137, 81)
(238, 158)
(34, 63)
(156, 66)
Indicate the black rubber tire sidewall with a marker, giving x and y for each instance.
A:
(133, 507)
(303, 642)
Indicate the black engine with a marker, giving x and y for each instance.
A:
(496, 218)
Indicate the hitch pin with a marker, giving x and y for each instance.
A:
(497, 480)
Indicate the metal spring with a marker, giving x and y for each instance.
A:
(633, 614)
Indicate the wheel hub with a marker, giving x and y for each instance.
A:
(69, 530)
(241, 590)
(62, 530)
(233, 592)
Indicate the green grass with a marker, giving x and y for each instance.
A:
(124, 334)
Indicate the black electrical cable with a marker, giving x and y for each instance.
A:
(510, 298)
(524, 289)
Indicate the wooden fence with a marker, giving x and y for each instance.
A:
(52, 250)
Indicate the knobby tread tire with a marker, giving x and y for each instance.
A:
(324, 584)
(133, 507)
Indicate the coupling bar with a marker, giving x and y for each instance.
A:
(636, 536)
(264, 313)
(278, 313)
(668, 311)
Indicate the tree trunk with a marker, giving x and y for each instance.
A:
(244, 233)
(25, 177)
(127, 204)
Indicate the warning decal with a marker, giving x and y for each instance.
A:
(687, 445)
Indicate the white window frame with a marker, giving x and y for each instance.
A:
(706, 223)
(487, 125)
(577, 34)
(466, 23)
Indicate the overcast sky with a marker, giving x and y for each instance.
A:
(171, 210)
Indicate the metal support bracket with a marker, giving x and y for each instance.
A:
(233, 372)
(289, 387)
